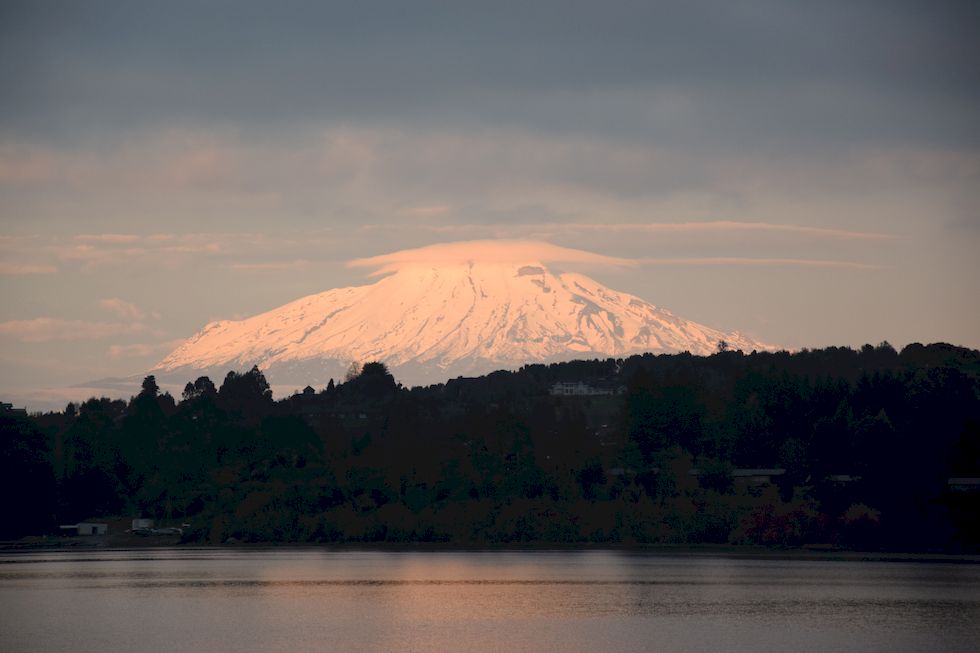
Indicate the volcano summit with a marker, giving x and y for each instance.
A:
(445, 311)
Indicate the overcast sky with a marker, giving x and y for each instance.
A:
(806, 172)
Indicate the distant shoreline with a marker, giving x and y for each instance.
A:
(736, 551)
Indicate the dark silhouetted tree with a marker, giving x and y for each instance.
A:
(202, 387)
(247, 395)
(26, 479)
(374, 381)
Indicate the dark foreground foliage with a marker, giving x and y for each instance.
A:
(868, 440)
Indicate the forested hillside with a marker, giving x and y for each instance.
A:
(833, 446)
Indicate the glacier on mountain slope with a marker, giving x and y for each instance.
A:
(429, 323)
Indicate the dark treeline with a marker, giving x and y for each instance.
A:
(649, 449)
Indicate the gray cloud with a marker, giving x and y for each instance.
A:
(760, 73)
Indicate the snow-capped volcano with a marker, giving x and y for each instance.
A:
(445, 311)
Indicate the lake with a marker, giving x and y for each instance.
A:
(610, 600)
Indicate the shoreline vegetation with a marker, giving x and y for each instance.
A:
(830, 452)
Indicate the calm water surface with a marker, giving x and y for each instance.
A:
(318, 600)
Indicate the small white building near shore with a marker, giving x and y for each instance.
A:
(85, 528)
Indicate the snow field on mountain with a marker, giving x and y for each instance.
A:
(488, 314)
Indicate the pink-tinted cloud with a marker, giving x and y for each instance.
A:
(46, 329)
(123, 309)
(745, 261)
(520, 251)
(114, 239)
(26, 165)
(431, 211)
(142, 350)
(92, 251)
(17, 269)
(270, 265)
(724, 226)
(485, 251)
(720, 227)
